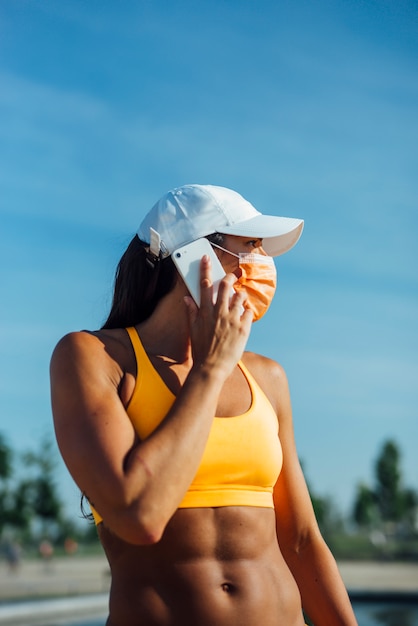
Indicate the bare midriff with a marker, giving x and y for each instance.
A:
(212, 567)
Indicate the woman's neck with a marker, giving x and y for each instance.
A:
(166, 331)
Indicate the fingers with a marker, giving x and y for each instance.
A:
(206, 285)
(247, 320)
(226, 284)
(227, 299)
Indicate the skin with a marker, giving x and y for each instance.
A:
(226, 566)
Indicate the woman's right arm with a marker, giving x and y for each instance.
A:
(136, 486)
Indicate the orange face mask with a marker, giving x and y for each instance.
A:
(258, 280)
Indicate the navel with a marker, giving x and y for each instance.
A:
(228, 588)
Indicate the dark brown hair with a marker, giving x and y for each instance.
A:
(141, 281)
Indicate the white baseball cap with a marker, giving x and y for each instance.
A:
(187, 213)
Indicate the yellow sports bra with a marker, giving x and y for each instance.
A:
(243, 456)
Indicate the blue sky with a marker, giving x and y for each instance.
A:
(309, 109)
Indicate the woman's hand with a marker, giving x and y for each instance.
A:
(218, 331)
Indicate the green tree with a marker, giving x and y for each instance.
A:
(6, 457)
(390, 497)
(30, 504)
(42, 490)
(389, 504)
(19, 513)
(46, 504)
(365, 511)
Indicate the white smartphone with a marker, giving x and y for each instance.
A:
(187, 260)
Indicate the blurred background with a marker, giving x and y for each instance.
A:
(308, 109)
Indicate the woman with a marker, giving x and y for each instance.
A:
(183, 443)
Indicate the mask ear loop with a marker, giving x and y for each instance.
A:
(224, 249)
(249, 257)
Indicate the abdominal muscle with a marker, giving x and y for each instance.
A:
(212, 567)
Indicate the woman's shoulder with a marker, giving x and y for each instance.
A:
(262, 365)
(268, 374)
(96, 346)
(102, 360)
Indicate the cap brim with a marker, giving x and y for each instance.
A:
(279, 234)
